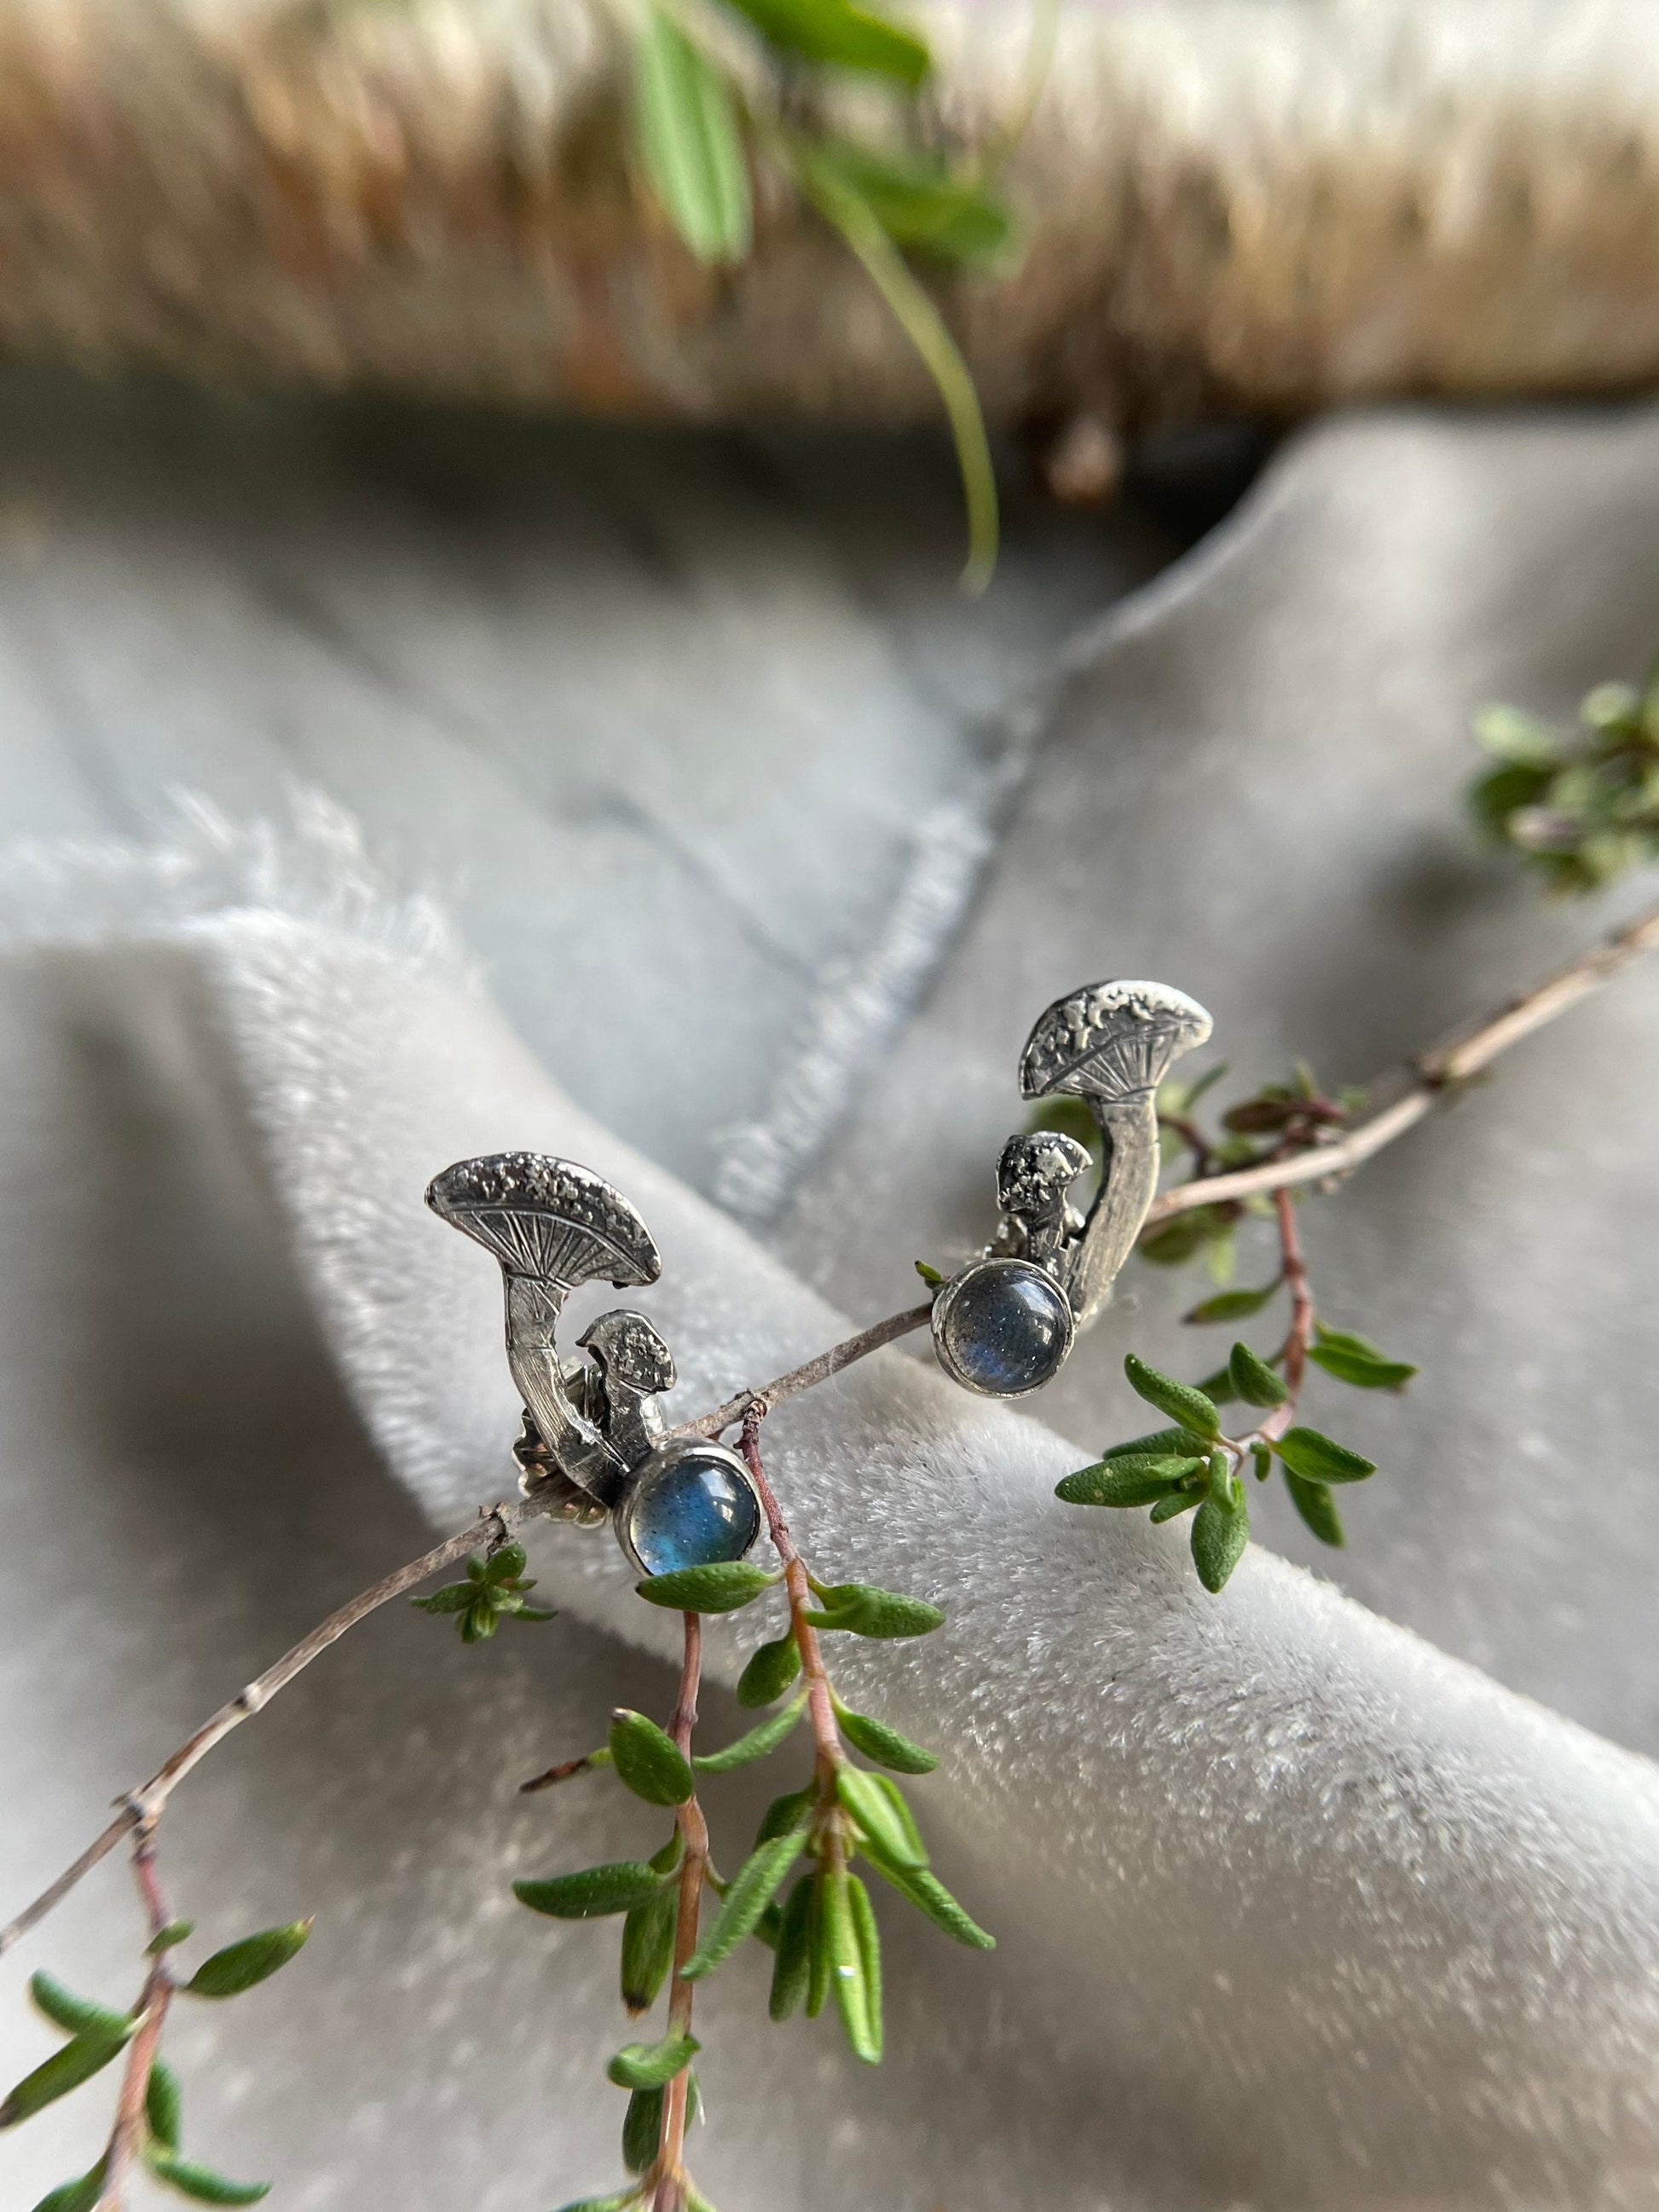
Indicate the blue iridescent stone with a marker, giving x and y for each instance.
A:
(1003, 1327)
(690, 1505)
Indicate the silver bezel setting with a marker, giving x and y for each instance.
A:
(945, 1303)
(668, 1455)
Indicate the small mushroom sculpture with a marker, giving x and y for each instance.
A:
(673, 1502)
(1005, 1323)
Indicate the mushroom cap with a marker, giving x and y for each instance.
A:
(548, 1219)
(1110, 1041)
(1036, 1169)
(630, 1352)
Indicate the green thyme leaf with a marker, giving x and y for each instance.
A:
(1511, 735)
(1314, 1502)
(642, 2135)
(1356, 1360)
(1254, 1380)
(506, 1566)
(840, 1942)
(770, 1672)
(922, 1888)
(653, 2065)
(1232, 1305)
(820, 1966)
(1162, 1443)
(758, 1882)
(1180, 1501)
(621, 2200)
(868, 1937)
(921, 205)
(164, 2105)
(647, 1950)
(785, 1812)
(1316, 1459)
(453, 1597)
(757, 1744)
(721, 1587)
(879, 1741)
(872, 1808)
(792, 1969)
(1220, 1536)
(75, 2015)
(66, 2069)
(835, 32)
(1125, 1481)
(169, 1938)
(242, 1965)
(200, 2182)
(593, 1893)
(864, 1610)
(688, 134)
(647, 1760)
(1188, 1407)
(79, 2195)
(931, 1276)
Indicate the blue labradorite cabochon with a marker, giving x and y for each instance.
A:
(690, 1505)
(1002, 1328)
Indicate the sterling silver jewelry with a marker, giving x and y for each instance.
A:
(1004, 1325)
(593, 1428)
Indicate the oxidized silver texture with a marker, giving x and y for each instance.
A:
(593, 1427)
(1111, 1044)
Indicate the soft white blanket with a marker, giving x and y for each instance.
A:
(1293, 1908)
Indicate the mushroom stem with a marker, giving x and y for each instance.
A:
(533, 1308)
(1128, 1183)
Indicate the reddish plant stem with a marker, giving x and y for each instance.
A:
(1299, 1336)
(820, 1699)
(668, 2191)
(127, 2135)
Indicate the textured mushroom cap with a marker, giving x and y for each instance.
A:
(1037, 1169)
(547, 1218)
(1111, 1040)
(630, 1352)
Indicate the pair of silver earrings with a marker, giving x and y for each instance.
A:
(1003, 1325)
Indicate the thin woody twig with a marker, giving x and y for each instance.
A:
(669, 2192)
(1436, 1074)
(127, 2134)
(820, 1699)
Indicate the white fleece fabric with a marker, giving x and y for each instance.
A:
(1293, 1910)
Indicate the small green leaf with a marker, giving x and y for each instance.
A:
(785, 1812)
(819, 1967)
(770, 1672)
(164, 2105)
(758, 1880)
(1232, 1305)
(1125, 1481)
(1356, 1360)
(1261, 1455)
(647, 1950)
(623, 2200)
(1254, 1380)
(593, 1893)
(1162, 1443)
(647, 1760)
(506, 1566)
(1220, 1535)
(931, 1276)
(921, 205)
(1314, 1502)
(792, 1969)
(871, 1807)
(835, 32)
(688, 133)
(1188, 1407)
(879, 1741)
(721, 1587)
(66, 2069)
(1181, 1501)
(200, 2183)
(864, 1610)
(642, 2134)
(1511, 735)
(453, 1597)
(868, 1936)
(1316, 1459)
(169, 1938)
(653, 2065)
(840, 1939)
(757, 1744)
(923, 1889)
(239, 1966)
(75, 2015)
(79, 2195)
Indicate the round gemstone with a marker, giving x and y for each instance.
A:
(690, 1505)
(1003, 1327)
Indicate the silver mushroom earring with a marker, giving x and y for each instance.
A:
(595, 1425)
(1004, 1324)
